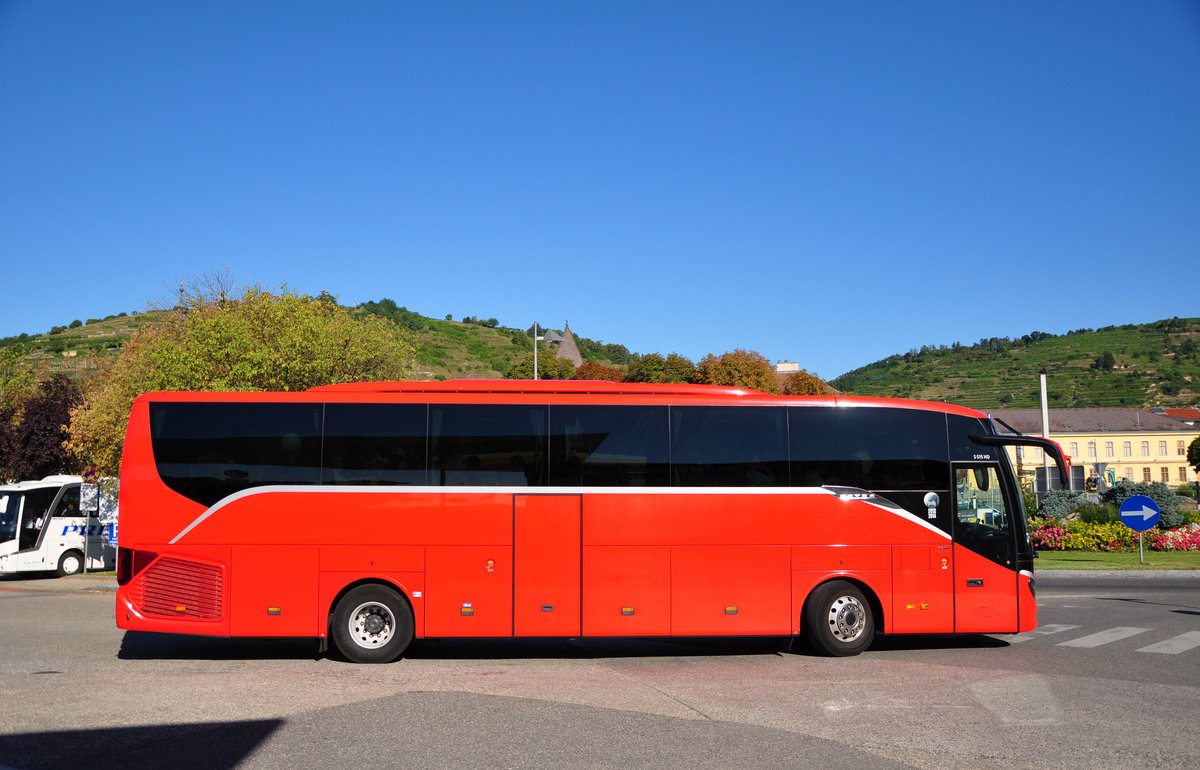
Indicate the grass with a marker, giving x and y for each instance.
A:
(1124, 560)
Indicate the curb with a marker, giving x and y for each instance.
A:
(1173, 574)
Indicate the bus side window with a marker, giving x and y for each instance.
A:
(729, 447)
(68, 504)
(609, 446)
(487, 445)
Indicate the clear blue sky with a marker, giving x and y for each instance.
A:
(827, 183)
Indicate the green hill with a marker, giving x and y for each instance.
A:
(472, 349)
(1155, 364)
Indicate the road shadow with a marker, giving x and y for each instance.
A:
(150, 645)
(145, 645)
(917, 642)
(205, 746)
(603, 647)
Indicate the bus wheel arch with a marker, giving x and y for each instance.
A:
(70, 563)
(840, 617)
(371, 621)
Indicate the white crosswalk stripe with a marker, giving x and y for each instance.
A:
(1104, 637)
(1046, 630)
(1175, 644)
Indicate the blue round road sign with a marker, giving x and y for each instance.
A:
(1139, 513)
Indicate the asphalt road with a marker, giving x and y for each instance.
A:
(1110, 678)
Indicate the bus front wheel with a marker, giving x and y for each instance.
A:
(372, 624)
(70, 563)
(837, 619)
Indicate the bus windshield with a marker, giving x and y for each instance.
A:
(10, 506)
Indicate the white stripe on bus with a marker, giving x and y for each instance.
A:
(504, 490)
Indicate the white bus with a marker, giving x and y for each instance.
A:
(42, 529)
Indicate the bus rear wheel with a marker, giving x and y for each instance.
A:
(372, 624)
(70, 563)
(837, 619)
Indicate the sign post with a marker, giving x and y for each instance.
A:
(1139, 513)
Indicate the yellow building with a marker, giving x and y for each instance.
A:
(1134, 444)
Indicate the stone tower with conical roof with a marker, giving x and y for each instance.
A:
(567, 348)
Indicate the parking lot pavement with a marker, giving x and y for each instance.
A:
(100, 583)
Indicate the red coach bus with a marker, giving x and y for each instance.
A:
(372, 513)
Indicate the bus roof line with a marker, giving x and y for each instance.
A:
(537, 386)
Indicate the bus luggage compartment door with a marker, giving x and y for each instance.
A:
(546, 565)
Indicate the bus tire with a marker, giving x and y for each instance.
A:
(837, 619)
(372, 624)
(70, 563)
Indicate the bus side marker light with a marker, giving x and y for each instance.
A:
(910, 606)
(467, 609)
(731, 610)
(924, 606)
(180, 608)
(627, 610)
(547, 608)
(274, 610)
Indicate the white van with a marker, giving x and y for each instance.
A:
(42, 529)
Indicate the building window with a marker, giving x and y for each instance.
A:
(1128, 473)
(1183, 473)
(1162, 449)
(1108, 449)
(1037, 454)
(1166, 474)
(1128, 447)
(1146, 474)
(1020, 453)
(1074, 448)
(1091, 449)
(1179, 450)
(1146, 450)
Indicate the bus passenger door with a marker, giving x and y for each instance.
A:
(985, 574)
(546, 565)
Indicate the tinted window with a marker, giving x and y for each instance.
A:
(609, 446)
(374, 444)
(873, 448)
(729, 446)
(68, 504)
(208, 451)
(962, 448)
(487, 445)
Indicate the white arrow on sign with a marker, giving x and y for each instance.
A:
(1146, 513)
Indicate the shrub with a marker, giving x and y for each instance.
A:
(1167, 501)
(1058, 503)
(1093, 513)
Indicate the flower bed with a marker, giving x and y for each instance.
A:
(1080, 536)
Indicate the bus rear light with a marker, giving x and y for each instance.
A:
(124, 565)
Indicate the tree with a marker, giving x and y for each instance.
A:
(1193, 454)
(37, 450)
(648, 368)
(259, 341)
(740, 368)
(594, 371)
(549, 367)
(802, 383)
(678, 369)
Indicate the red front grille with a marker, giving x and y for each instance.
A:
(178, 588)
